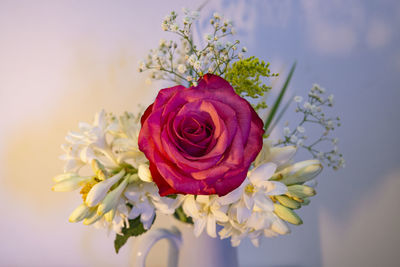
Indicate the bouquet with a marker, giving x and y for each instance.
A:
(202, 152)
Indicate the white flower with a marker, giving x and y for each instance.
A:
(174, 27)
(330, 99)
(145, 201)
(300, 142)
(254, 192)
(197, 65)
(293, 139)
(206, 211)
(208, 37)
(192, 59)
(307, 106)
(125, 145)
(88, 144)
(164, 26)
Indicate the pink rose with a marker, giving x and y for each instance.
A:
(200, 140)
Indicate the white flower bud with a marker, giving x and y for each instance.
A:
(99, 190)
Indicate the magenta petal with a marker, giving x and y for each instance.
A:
(200, 140)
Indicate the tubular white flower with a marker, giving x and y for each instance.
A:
(278, 155)
(70, 183)
(206, 212)
(99, 190)
(299, 172)
(65, 176)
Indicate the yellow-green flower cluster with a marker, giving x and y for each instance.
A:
(246, 77)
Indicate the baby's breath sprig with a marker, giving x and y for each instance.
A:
(184, 61)
(313, 113)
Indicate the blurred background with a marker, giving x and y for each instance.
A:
(62, 61)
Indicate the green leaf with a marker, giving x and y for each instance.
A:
(180, 215)
(135, 228)
(275, 107)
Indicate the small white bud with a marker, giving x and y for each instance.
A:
(181, 68)
(286, 131)
(301, 129)
(298, 99)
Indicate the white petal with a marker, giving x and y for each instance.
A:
(225, 232)
(248, 200)
(262, 173)
(235, 241)
(64, 176)
(282, 155)
(220, 216)
(133, 193)
(233, 196)
(263, 202)
(189, 206)
(256, 241)
(270, 233)
(280, 227)
(243, 213)
(100, 119)
(277, 188)
(211, 226)
(203, 199)
(135, 211)
(255, 221)
(73, 165)
(144, 173)
(199, 225)
(87, 155)
(69, 184)
(147, 224)
(148, 211)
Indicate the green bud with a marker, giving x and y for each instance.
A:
(287, 214)
(301, 191)
(80, 213)
(92, 219)
(288, 202)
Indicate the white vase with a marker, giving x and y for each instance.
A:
(185, 249)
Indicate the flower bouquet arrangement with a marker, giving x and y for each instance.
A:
(202, 151)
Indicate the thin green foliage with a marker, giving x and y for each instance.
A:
(278, 101)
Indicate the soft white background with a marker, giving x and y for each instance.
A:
(61, 61)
